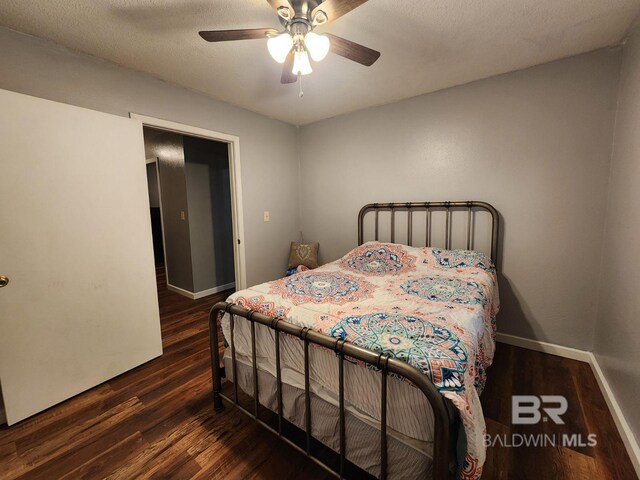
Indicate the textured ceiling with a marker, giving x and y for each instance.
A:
(425, 45)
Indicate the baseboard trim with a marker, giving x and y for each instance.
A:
(211, 291)
(201, 294)
(181, 291)
(544, 347)
(626, 434)
(628, 438)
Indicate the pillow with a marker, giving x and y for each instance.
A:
(304, 254)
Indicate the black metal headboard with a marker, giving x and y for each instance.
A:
(428, 207)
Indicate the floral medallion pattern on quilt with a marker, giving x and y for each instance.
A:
(445, 290)
(435, 350)
(461, 259)
(259, 304)
(380, 259)
(320, 287)
(434, 309)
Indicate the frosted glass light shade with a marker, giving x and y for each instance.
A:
(318, 45)
(280, 46)
(301, 65)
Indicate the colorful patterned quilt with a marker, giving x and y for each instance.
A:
(432, 308)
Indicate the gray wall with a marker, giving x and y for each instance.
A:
(210, 223)
(267, 147)
(152, 185)
(535, 143)
(617, 338)
(168, 148)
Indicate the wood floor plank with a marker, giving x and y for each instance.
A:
(106, 462)
(612, 459)
(59, 455)
(581, 466)
(62, 413)
(200, 407)
(164, 365)
(7, 449)
(157, 421)
(170, 451)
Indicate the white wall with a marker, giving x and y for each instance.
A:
(534, 143)
(267, 147)
(617, 339)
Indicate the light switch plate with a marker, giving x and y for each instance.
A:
(266, 216)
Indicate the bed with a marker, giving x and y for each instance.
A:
(380, 355)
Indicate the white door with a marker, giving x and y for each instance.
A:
(75, 242)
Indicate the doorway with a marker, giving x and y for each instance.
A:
(199, 199)
(154, 211)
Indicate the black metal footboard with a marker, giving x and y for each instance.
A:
(443, 435)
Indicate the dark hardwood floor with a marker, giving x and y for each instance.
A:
(157, 420)
(517, 371)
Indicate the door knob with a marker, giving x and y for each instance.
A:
(3, 281)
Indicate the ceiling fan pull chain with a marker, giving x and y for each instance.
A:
(301, 93)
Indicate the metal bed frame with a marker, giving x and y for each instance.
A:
(444, 421)
(429, 207)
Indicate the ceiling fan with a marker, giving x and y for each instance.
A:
(293, 45)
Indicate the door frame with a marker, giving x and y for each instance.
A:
(237, 218)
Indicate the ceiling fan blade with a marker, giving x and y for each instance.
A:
(287, 68)
(276, 4)
(243, 34)
(353, 51)
(334, 9)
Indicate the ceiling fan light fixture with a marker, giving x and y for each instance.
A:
(318, 45)
(319, 18)
(301, 64)
(279, 46)
(296, 44)
(284, 12)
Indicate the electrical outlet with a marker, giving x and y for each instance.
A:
(182, 215)
(265, 215)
